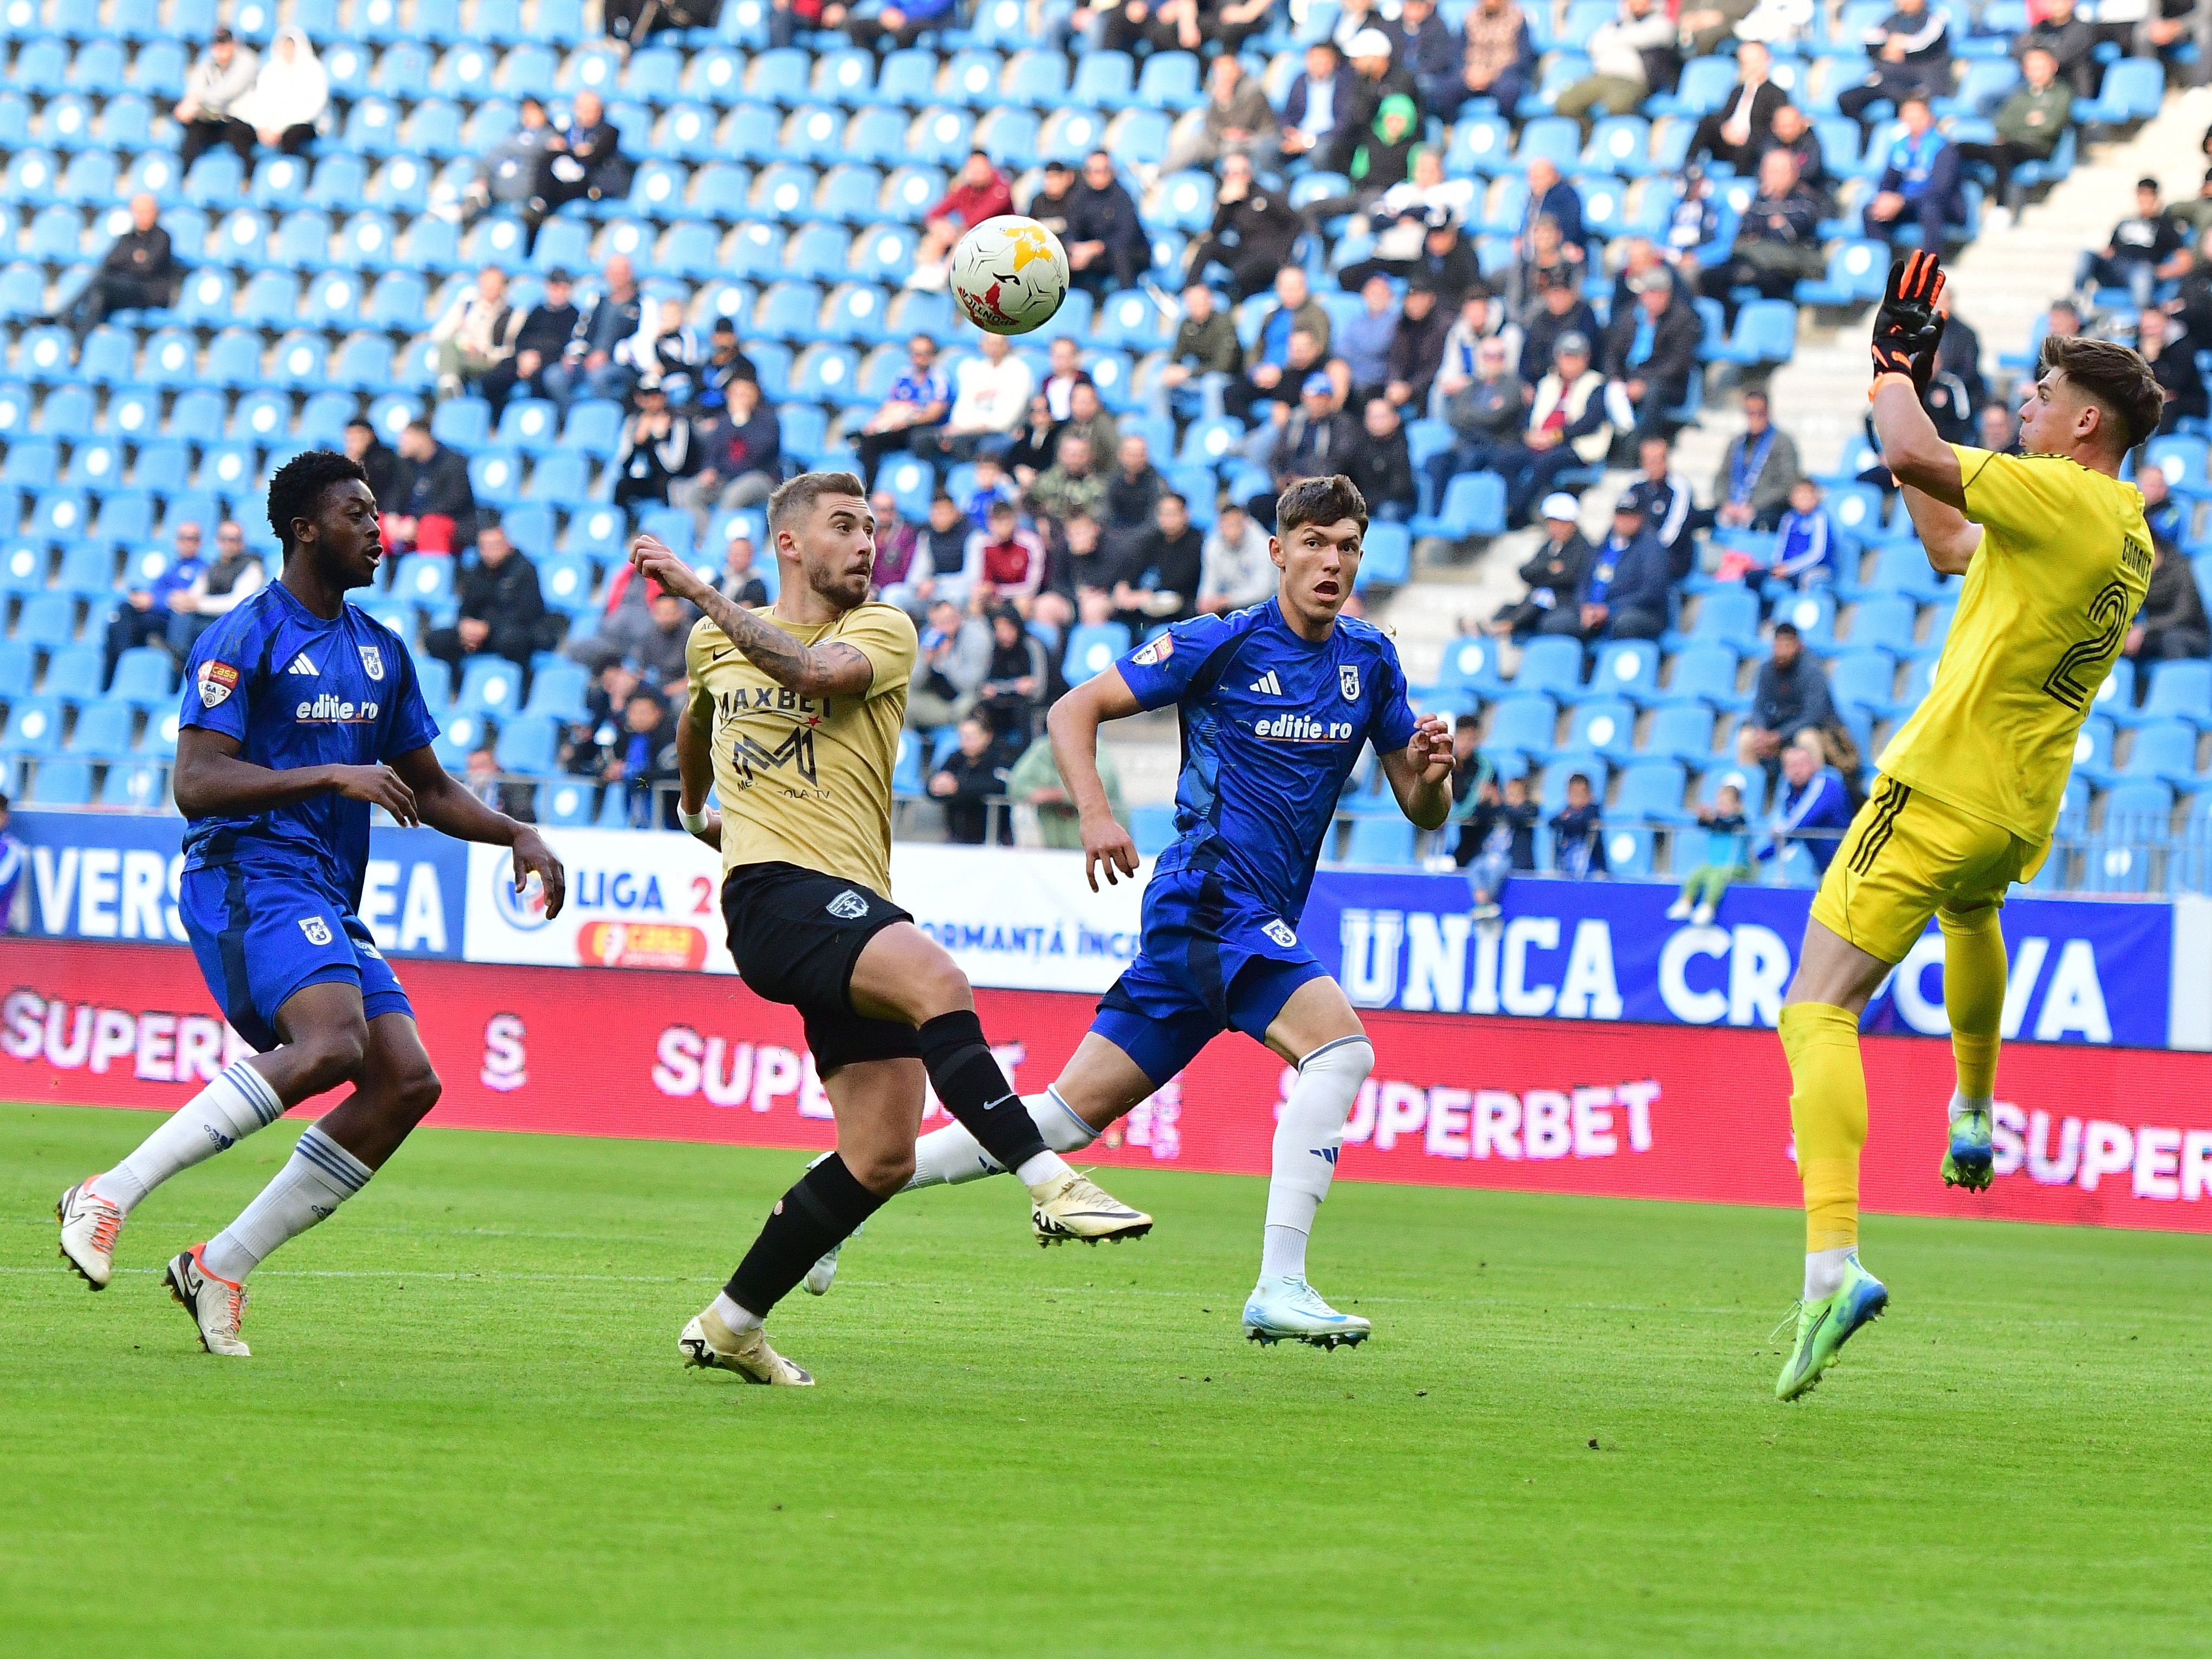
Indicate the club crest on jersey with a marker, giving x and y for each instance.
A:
(372, 660)
(847, 906)
(1157, 651)
(1347, 681)
(216, 680)
(1279, 930)
(317, 930)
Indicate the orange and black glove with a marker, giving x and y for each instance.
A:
(1908, 329)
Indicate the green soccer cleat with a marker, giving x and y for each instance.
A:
(1825, 1326)
(1968, 1162)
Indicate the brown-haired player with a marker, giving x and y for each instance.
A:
(1278, 702)
(2057, 559)
(794, 719)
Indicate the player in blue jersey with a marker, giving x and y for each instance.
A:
(1277, 703)
(300, 714)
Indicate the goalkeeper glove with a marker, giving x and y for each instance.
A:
(1908, 329)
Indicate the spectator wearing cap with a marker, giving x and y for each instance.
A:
(1554, 573)
(1377, 80)
(1107, 246)
(1378, 159)
(1623, 594)
(1663, 495)
(1319, 105)
(1382, 465)
(1398, 219)
(1911, 49)
(1777, 242)
(1751, 491)
(220, 80)
(1628, 53)
(2030, 123)
(1567, 427)
(1652, 349)
(1497, 59)
(725, 362)
(539, 340)
(655, 449)
(1790, 694)
(1236, 119)
(1055, 195)
(1252, 234)
(1559, 311)
(1486, 415)
(1738, 130)
(1314, 440)
(981, 191)
(139, 272)
(1446, 259)
(1920, 181)
(1417, 348)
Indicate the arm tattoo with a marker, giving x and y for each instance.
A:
(836, 669)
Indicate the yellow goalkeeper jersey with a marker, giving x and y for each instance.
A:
(2062, 568)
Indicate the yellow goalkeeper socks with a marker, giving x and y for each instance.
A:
(1973, 997)
(1828, 1110)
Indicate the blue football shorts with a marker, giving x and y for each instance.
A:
(263, 937)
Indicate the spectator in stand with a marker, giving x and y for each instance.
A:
(2056, 29)
(1015, 686)
(1663, 496)
(1035, 781)
(1031, 454)
(1163, 568)
(1107, 246)
(1997, 431)
(1544, 263)
(1706, 26)
(1777, 243)
(1422, 45)
(1073, 485)
(936, 558)
(1727, 857)
(1498, 839)
(1050, 203)
(1790, 696)
(919, 399)
(2030, 123)
(220, 79)
(2161, 511)
(1398, 219)
(1756, 472)
(376, 457)
(725, 363)
(1624, 596)
(786, 18)
(232, 577)
(503, 610)
(1236, 119)
(433, 507)
(508, 173)
(1085, 567)
(483, 780)
(1741, 128)
(1486, 416)
(951, 656)
(1319, 104)
(1578, 832)
(1813, 808)
(657, 645)
(1911, 53)
(1133, 496)
(1550, 197)
(538, 343)
(138, 272)
(642, 764)
(290, 94)
(738, 460)
(900, 25)
(1163, 25)
(1628, 53)
(1364, 343)
(587, 367)
(1920, 182)
(2145, 248)
(2174, 23)
(992, 487)
(1653, 350)
(1560, 311)
(582, 161)
(1268, 357)
(972, 777)
(1567, 427)
(1447, 258)
(1314, 441)
(1641, 259)
(1417, 348)
(2171, 355)
(1377, 79)
(1481, 321)
(896, 541)
(2171, 623)
(144, 616)
(477, 333)
(978, 192)
(1383, 465)
(590, 742)
(655, 450)
(1002, 561)
(739, 583)
(1805, 541)
(1087, 417)
(1554, 574)
(1205, 345)
(1064, 372)
(1693, 226)
(1795, 137)
(664, 352)
(1229, 24)
(1376, 159)
(1499, 57)
(1235, 570)
(991, 391)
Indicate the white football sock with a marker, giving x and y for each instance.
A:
(1040, 1171)
(1282, 1253)
(1962, 1104)
(1824, 1270)
(950, 1156)
(1306, 1137)
(319, 1176)
(738, 1319)
(239, 1101)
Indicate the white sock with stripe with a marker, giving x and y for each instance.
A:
(319, 1175)
(1306, 1137)
(234, 1106)
(951, 1157)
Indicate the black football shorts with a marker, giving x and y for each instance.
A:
(795, 934)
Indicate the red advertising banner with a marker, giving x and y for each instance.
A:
(2104, 1137)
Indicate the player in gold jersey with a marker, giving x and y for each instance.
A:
(794, 718)
(2057, 559)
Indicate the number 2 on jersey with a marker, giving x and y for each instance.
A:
(2109, 611)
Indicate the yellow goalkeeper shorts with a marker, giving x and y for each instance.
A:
(1904, 857)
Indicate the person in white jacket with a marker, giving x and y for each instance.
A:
(208, 112)
(1620, 68)
(476, 332)
(289, 96)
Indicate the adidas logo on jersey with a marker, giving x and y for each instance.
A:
(300, 665)
(1302, 728)
(1268, 685)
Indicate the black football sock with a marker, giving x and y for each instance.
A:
(975, 1090)
(818, 1212)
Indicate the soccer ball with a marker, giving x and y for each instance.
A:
(1009, 275)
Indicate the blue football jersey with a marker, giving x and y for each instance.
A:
(296, 690)
(1272, 725)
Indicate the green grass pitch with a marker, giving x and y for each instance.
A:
(466, 1431)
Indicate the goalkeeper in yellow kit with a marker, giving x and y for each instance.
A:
(2056, 558)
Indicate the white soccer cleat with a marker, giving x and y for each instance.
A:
(89, 1225)
(1703, 914)
(1289, 1309)
(824, 1273)
(706, 1341)
(1679, 910)
(1486, 915)
(216, 1305)
(1077, 1207)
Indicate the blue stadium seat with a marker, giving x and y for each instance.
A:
(490, 685)
(35, 728)
(1627, 668)
(1091, 648)
(61, 783)
(2182, 692)
(1681, 731)
(565, 806)
(1381, 840)
(423, 579)
(1524, 724)
(1603, 725)
(1474, 505)
(1863, 679)
(103, 730)
(1552, 663)
(557, 692)
(1885, 622)
(528, 745)
(562, 478)
(144, 678)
